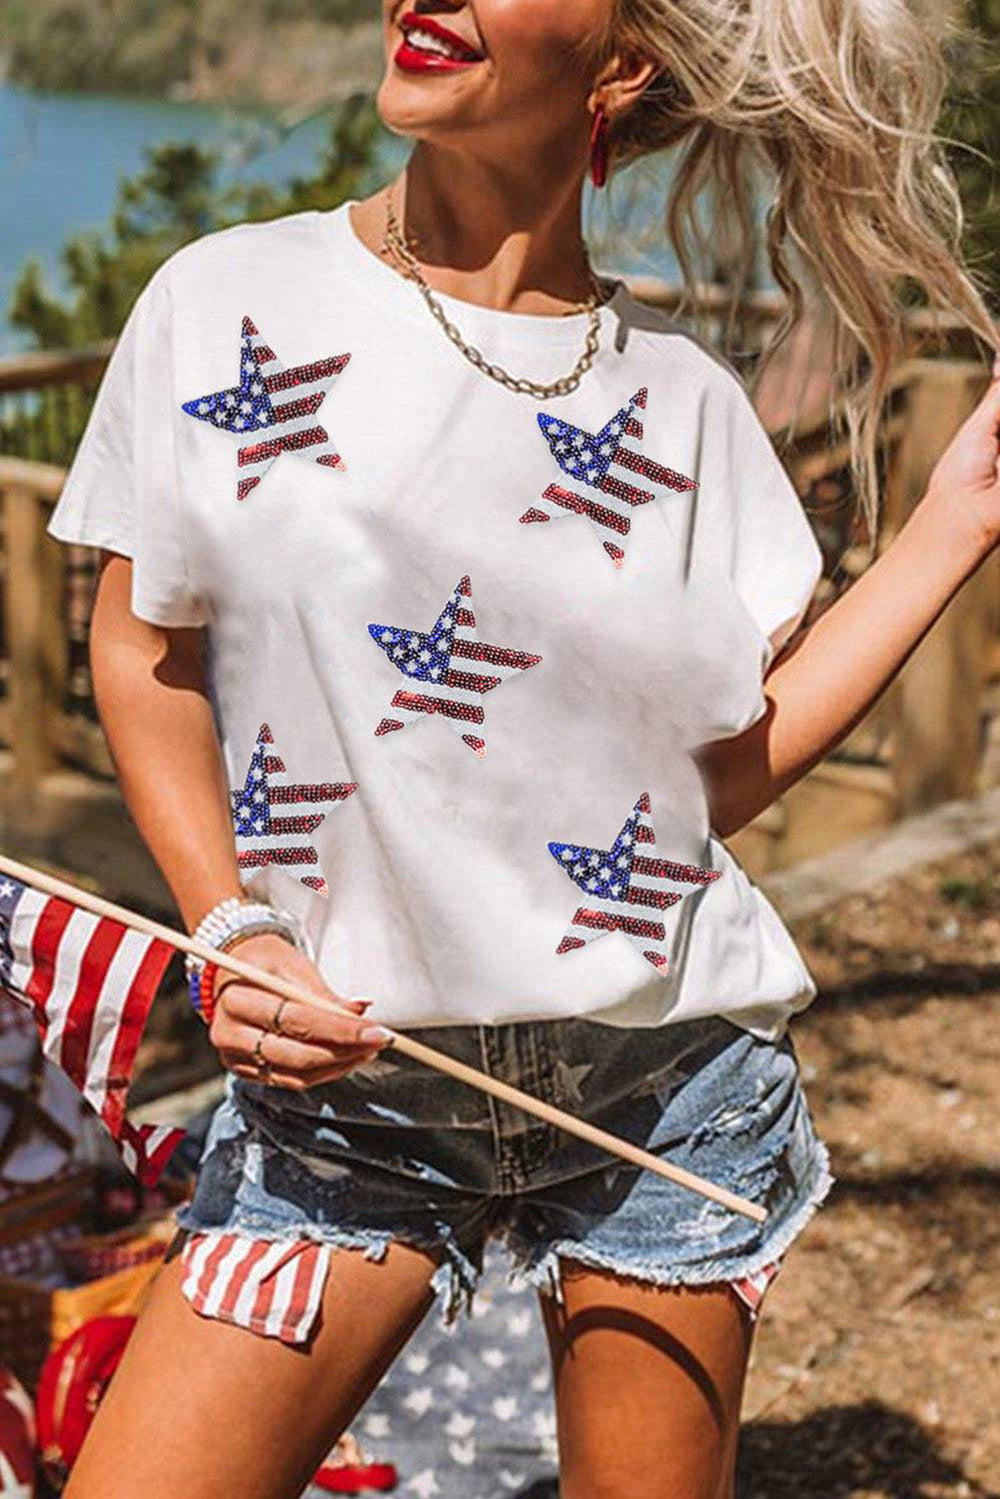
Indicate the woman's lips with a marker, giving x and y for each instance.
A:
(416, 58)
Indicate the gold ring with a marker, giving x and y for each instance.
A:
(258, 1054)
(275, 1025)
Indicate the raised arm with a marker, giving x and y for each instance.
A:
(820, 689)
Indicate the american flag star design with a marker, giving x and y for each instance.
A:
(624, 880)
(266, 835)
(604, 461)
(450, 668)
(272, 410)
(89, 983)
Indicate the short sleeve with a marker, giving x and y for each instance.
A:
(775, 559)
(122, 491)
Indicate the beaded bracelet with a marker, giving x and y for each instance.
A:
(231, 918)
(202, 988)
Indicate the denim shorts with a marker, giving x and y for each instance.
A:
(397, 1151)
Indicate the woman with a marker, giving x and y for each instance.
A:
(490, 560)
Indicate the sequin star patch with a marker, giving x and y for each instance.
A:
(623, 881)
(272, 410)
(604, 461)
(449, 667)
(265, 833)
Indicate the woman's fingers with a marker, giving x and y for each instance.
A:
(295, 1082)
(313, 1025)
(290, 1056)
(314, 1040)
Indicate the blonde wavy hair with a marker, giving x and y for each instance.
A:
(838, 100)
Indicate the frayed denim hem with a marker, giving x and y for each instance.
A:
(453, 1282)
(542, 1272)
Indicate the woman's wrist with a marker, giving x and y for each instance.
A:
(231, 920)
(965, 533)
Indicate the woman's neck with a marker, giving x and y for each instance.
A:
(513, 245)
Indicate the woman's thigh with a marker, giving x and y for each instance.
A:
(201, 1408)
(649, 1383)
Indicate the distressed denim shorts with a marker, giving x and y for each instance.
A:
(397, 1151)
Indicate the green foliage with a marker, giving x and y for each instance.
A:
(141, 46)
(176, 199)
(972, 119)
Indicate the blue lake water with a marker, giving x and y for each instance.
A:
(62, 156)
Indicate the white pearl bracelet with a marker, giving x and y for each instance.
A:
(236, 915)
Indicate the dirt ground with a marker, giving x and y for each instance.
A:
(876, 1370)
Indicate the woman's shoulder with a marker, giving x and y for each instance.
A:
(662, 336)
(264, 246)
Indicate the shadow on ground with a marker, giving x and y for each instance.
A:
(841, 1451)
(836, 1453)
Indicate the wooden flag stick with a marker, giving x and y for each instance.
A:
(400, 1040)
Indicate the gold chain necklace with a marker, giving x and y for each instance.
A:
(395, 240)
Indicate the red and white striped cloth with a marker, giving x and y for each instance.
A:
(269, 1286)
(275, 1286)
(751, 1289)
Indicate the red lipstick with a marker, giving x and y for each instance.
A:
(429, 47)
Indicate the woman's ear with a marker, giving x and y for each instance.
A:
(623, 78)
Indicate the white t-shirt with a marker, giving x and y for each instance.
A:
(462, 641)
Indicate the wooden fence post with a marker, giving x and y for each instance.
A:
(33, 618)
(936, 701)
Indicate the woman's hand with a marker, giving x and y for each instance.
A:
(315, 1044)
(966, 478)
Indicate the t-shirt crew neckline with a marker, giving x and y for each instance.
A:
(369, 272)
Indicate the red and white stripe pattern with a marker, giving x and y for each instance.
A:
(266, 835)
(624, 883)
(604, 461)
(751, 1289)
(449, 668)
(89, 983)
(269, 1286)
(277, 406)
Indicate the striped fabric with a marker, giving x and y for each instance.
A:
(89, 982)
(269, 1286)
(751, 1289)
(274, 1287)
(621, 475)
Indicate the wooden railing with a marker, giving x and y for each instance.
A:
(923, 742)
(44, 401)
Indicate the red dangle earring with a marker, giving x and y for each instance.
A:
(599, 147)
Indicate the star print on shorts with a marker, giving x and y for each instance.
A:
(272, 410)
(450, 668)
(624, 879)
(265, 835)
(604, 461)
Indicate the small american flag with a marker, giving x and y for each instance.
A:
(605, 462)
(89, 982)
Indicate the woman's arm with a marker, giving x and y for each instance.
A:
(154, 707)
(824, 685)
(151, 697)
